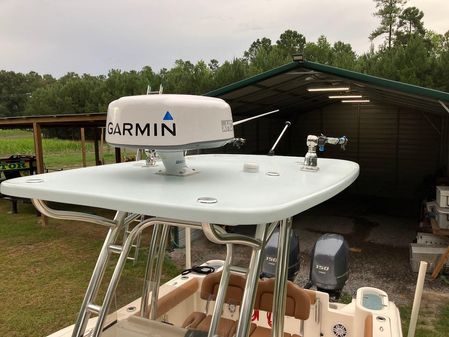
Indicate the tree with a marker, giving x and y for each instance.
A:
(320, 52)
(4, 112)
(267, 59)
(188, 78)
(291, 42)
(388, 11)
(441, 69)
(256, 47)
(230, 71)
(148, 77)
(411, 20)
(213, 65)
(201, 78)
(16, 89)
(423, 59)
(410, 23)
(343, 56)
(415, 62)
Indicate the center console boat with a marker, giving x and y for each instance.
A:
(206, 192)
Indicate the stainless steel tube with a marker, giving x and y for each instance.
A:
(149, 270)
(158, 270)
(213, 233)
(121, 263)
(223, 287)
(251, 284)
(188, 248)
(42, 207)
(97, 275)
(280, 282)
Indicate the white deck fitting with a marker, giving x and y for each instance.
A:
(242, 197)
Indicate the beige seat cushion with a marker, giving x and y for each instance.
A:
(225, 328)
(209, 290)
(193, 320)
(251, 329)
(265, 332)
(173, 298)
(297, 301)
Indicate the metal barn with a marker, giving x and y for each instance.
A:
(397, 132)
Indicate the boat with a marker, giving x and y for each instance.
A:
(206, 192)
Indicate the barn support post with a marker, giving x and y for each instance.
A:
(37, 135)
(83, 146)
(102, 146)
(322, 121)
(446, 137)
(96, 147)
(358, 133)
(398, 131)
(443, 143)
(446, 144)
(258, 147)
(118, 155)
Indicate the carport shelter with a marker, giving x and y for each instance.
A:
(398, 133)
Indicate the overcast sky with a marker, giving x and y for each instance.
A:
(93, 36)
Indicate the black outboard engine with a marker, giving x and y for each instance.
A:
(270, 256)
(329, 265)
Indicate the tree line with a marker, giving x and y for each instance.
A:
(406, 52)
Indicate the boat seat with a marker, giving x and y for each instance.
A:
(173, 298)
(170, 300)
(312, 295)
(297, 304)
(226, 327)
(209, 290)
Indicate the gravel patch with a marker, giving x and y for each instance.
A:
(391, 231)
(379, 255)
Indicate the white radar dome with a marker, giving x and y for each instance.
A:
(169, 122)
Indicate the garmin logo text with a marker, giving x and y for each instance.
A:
(147, 129)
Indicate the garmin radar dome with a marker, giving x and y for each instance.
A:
(169, 124)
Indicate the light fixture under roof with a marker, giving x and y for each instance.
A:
(355, 100)
(345, 96)
(328, 89)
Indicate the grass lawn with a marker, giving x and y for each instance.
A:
(45, 271)
(433, 319)
(58, 153)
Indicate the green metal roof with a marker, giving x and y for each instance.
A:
(282, 86)
(379, 81)
(252, 79)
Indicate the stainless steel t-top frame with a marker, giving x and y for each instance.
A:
(158, 242)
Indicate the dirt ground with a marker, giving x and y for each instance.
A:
(378, 234)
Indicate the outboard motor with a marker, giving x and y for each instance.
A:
(329, 265)
(270, 256)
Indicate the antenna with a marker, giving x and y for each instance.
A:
(254, 117)
(287, 124)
